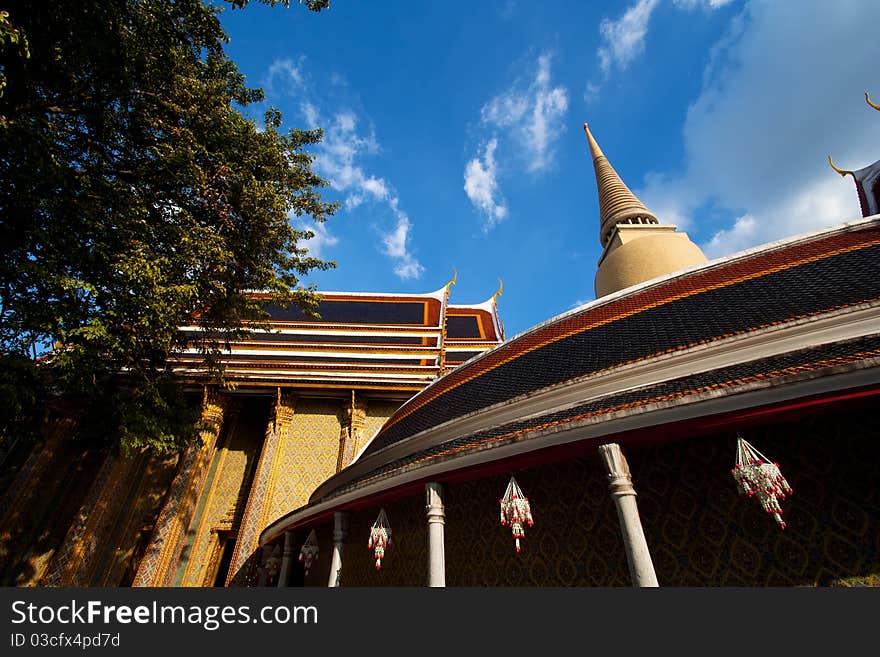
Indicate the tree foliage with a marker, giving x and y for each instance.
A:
(135, 196)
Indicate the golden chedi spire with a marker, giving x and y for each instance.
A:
(636, 247)
(617, 204)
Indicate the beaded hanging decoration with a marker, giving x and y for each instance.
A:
(380, 538)
(515, 511)
(759, 477)
(308, 553)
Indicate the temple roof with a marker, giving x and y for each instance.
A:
(617, 204)
(392, 342)
(471, 329)
(867, 179)
(785, 324)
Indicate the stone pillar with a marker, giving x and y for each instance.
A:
(286, 557)
(157, 566)
(340, 536)
(436, 513)
(86, 542)
(641, 568)
(254, 519)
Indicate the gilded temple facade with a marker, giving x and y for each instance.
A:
(308, 394)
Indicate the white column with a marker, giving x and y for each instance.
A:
(641, 568)
(340, 535)
(436, 513)
(286, 556)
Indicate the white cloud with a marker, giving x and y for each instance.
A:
(338, 159)
(706, 4)
(525, 120)
(322, 239)
(376, 187)
(285, 76)
(310, 113)
(505, 110)
(395, 243)
(736, 238)
(769, 113)
(624, 39)
(481, 186)
(534, 114)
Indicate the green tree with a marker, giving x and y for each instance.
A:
(134, 197)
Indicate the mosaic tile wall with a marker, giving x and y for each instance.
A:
(41, 504)
(699, 531)
(306, 457)
(223, 493)
(76, 560)
(377, 413)
(91, 521)
(157, 566)
(306, 453)
(128, 536)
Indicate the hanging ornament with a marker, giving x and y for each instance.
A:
(515, 511)
(380, 538)
(759, 477)
(308, 553)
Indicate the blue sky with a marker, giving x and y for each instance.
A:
(453, 133)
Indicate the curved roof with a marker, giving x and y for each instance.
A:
(732, 297)
(785, 320)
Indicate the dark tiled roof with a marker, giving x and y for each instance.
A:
(766, 288)
(355, 312)
(463, 326)
(472, 323)
(343, 339)
(765, 369)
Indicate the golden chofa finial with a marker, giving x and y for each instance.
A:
(454, 279)
(874, 105)
(842, 172)
(500, 290)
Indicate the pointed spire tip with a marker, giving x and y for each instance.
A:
(595, 151)
(617, 204)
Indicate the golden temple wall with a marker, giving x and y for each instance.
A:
(40, 504)
(135, 522)
(377, 413)
(221, 503)
(306, 458)
(298, 456)
(158, 564)
(100, 546)
(76, 516)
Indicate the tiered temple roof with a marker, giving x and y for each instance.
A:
(470, 330)
(395, 342)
